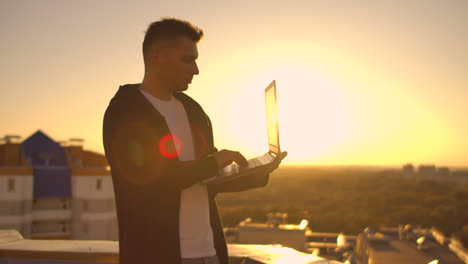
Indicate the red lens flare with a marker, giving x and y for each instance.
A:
(170, 146)
(133, 153)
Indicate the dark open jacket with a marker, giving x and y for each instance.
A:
(147, 185)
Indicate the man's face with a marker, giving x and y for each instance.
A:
(179, 65)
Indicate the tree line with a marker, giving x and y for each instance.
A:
(350, 200)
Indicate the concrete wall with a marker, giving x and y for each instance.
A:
(16, 202)
(94, 213)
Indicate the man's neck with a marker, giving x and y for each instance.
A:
(156, 89)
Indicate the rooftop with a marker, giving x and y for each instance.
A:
(14, 247)
(413, 248)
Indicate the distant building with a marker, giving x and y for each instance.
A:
(408, 169)
(332, 246)
(443, 172)
(460, 174)
(55, 190)
(274, 231)
(407, 245)
(427, 170)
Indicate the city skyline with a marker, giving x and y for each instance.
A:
(359, 82)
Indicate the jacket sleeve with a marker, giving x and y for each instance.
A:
(246, 182)
(132, 146)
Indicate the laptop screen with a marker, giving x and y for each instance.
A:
(272, 118)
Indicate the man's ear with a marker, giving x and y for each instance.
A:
(156, 56)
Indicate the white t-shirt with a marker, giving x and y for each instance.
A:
(196, 236)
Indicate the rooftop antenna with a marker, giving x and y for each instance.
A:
(12, 138)
(75, 142)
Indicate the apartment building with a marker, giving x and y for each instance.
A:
(55, 190)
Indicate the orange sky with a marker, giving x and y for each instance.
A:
(359, 82)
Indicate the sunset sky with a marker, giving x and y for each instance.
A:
(359, 82)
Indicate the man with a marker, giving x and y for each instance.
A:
(159, 144)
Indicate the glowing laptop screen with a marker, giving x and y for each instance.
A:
(272, 117)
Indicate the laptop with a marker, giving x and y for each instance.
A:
(233, 170)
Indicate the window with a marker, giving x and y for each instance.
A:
(11, 185)
(64, 226)
(99, 184)
(64, 202)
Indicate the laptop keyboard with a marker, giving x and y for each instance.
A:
(252, 163)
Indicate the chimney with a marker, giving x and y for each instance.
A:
(74, 150)
(10, 151)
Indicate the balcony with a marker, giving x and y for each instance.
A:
(60, 214)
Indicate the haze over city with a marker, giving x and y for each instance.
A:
(359, 82)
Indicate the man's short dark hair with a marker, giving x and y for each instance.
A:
(169, 29)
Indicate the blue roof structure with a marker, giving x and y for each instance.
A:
(41, 150)
(52, 182)
(52, 175)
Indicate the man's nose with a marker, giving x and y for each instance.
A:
(195, 69)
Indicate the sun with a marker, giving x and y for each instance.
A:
(313, 112)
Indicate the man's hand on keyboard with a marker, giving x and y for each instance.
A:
(225, 157)
(273, 166)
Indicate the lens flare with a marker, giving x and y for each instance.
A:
(133, 154)
(170, 146)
